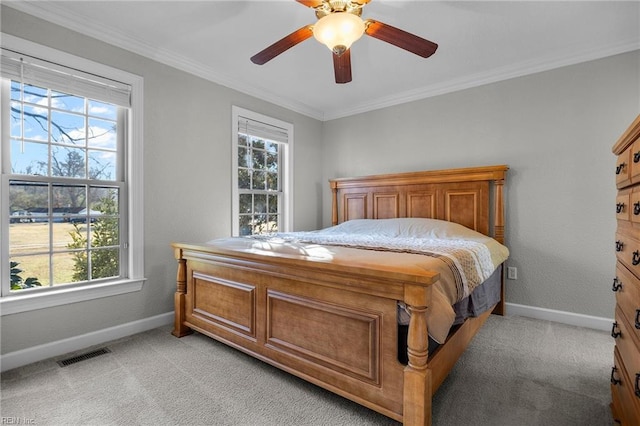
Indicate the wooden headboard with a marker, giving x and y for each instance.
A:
(472, 197)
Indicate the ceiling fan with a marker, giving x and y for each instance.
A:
(339, 25)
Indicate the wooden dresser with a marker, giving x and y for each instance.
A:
(625, 375)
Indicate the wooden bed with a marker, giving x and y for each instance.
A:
(297, 314)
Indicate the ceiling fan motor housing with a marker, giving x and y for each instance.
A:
(332, 6)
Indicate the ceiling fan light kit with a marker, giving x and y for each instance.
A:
(339, 26)
(338, 31)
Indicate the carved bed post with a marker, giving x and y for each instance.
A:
(334, 203)
(179, 329)
(498, 210)
(498, 235)
(417, 377)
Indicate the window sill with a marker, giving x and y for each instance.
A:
(31, 302)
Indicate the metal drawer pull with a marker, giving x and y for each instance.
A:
(620, 168)
(637, 386)
(636, 258)
(614, 381)
(617, 284)
(619, 245)
(619, 207)
(637, 319)
(636, 208)
(636, 157)
(615, 334)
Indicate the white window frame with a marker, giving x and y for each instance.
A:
(287, 165)
(16, 302)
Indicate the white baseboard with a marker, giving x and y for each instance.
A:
(49, 350)
(61, 347)
(570, 318)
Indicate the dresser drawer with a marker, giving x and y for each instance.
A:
(626, 405)
(623, 209)
(628, 252)
(623, 168)
(627, 289)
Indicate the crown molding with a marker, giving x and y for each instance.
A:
(75, 22)
(496, 75)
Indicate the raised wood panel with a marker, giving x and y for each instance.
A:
(355, 206)
(466, 206)
(317, 334)
(386, 206)
(228, 304)
(421, 204)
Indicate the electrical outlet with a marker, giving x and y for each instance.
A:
(512, 273)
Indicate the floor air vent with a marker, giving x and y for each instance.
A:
(88, 355)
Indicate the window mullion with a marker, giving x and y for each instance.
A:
(87, 174)
(50, 223)
(49, 132)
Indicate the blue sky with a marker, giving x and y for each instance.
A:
(65, 123)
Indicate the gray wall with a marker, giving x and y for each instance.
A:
(555, 130)
(187, 180)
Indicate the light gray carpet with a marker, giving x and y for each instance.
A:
(517, 371)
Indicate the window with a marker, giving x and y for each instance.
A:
(261, 174)
(70, 139)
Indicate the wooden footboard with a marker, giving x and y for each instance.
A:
(331, 324)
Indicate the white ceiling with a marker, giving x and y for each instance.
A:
(479, 42)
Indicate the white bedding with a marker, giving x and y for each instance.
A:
(463, 257)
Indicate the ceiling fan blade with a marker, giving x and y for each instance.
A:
(400, 38)
(310, 3)
(280, 46)
(342, 67)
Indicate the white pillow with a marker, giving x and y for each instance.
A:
(407, 228)
(383, 227)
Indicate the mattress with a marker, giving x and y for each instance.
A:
(463, 258)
